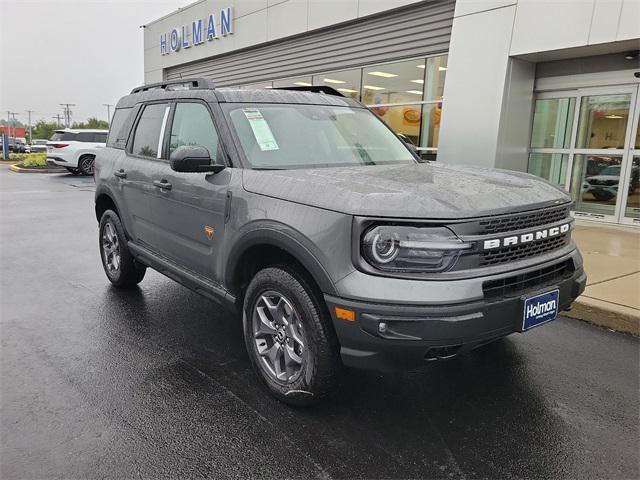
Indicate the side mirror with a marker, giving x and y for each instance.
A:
(194, 159)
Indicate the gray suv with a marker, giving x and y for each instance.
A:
(303, 213)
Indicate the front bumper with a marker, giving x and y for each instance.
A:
(415, 334)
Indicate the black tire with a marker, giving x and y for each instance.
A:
(86, 164)
(602, 195)
(321, 364)
(73, 171)
(128, 272)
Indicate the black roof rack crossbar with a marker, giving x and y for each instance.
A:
(314, 89)
(192, 83)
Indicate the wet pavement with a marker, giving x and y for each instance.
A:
(155, 382)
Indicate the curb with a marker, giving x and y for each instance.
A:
(604, 314)
(17, 169)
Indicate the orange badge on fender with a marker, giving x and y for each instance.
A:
(209, 231)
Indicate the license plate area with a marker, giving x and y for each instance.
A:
(540, 309)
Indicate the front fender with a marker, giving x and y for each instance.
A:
(276, 234)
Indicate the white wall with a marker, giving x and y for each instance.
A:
(255, 22)
(488, 95)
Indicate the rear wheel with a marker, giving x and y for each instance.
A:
(289, 338)
(85, 164)
(118, 263)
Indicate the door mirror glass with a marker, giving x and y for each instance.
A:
(193, 159)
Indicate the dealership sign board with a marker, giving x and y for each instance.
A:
(199, 32)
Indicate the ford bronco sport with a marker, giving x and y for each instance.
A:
(301, 211)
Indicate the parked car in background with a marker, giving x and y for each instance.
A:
(75, 149)
(16, 145)
(38, 145)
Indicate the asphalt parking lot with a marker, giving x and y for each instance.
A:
(155, 382)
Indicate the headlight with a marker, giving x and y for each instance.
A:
(412, 249)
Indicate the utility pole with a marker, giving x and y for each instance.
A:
(108, 111)
(67, 113)
(57, 117)
(29, 112)
(12, 124)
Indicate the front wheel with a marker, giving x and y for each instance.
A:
(118, 263)
(289, 337)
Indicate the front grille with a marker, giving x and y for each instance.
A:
(525, 250)
(519, 284)
(521, 221)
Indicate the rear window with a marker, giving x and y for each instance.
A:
(119, 131)
(63, 136)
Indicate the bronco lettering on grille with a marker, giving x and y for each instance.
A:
(526, 237)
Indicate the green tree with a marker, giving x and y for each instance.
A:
(92, 123)
(44, 129)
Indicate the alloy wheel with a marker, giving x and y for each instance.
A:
(111, 248)
(278, 337)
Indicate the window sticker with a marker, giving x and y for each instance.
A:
(261, 130)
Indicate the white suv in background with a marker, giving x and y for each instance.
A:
(75, 149)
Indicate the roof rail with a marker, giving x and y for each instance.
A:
(314, 89)
(192, 83)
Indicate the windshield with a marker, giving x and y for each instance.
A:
(310, 136)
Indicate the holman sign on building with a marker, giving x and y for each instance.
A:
(199, 32)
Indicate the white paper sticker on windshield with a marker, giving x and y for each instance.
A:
(261, 130)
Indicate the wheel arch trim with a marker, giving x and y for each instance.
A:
(283, 237)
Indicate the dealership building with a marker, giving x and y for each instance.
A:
(549, 87)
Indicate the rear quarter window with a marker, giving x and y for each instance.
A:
(119, 129)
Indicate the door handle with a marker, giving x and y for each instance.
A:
(120, 173)
(162, 184)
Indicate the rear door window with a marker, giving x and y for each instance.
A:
(147, 140)
(84, 137)
(99, 137)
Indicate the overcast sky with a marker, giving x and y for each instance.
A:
(86, 52)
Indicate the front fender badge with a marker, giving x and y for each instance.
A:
(208, 231)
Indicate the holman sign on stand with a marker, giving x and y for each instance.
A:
(199, 32)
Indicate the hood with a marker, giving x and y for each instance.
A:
(424, 190)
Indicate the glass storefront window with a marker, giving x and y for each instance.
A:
(603, 121)
(552, 123)
(550, 166)
(436, 71)
(346, 82)
(401, 82)
(594, 183)
(431, 116)
(633, 194)
(405, 120)
(293, 82)
(637, 141)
